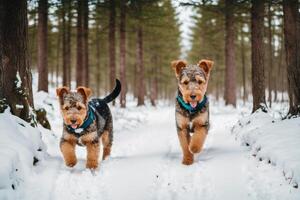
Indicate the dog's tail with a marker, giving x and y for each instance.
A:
(114, 94)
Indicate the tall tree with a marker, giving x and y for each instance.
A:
(292, 48)
(42, 45)
(112, 42)
(85, 43)
(79, 51)
(230, 73)
(140, 66)
(123, 52)
(98, 52)
(15, 77)
(257, 56)
(243, 59)
(270, 54)
(66, 44)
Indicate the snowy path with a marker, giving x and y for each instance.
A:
(146, 164)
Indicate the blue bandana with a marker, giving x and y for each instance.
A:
(189, 108)
(87, 122)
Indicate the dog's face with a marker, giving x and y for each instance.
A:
(73, 105)
(192, 79)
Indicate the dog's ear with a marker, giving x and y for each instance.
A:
(178, 65)
(61, 91)
(206, 65)
(86, 92)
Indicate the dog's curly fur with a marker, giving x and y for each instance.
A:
(74, 109)
(192, 86)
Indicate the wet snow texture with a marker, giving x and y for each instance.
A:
(146, 161)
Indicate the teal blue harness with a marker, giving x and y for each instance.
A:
(189, 108)
(87, 122)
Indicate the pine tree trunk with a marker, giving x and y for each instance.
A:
(123, 53)
(112, 41)
(243, 58)
(79, 50)
(85, 59)
(15, 75)
(292, 49)
(2, 10)
(65, 44)
(98, 52)
(230, 73)
(58, 55)
(257, 56)
(154, 84)
(270, 52)
(140, 67)
(42, 45)
(68, 43)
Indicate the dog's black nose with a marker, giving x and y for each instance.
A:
(193, 96)
(73, 121)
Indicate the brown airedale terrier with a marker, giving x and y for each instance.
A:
(192, 107)
(85, 123)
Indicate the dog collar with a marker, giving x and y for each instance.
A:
(189, 108)
(87, 122)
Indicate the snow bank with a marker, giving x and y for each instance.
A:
(273, 141)
(20, 147)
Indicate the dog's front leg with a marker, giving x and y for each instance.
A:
(184, 139)
(92, 154)
(68, 150)
(198, 139)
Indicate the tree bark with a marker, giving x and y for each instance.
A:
(98, 51)
(123, 53)
(140, 66)
(112, 42)
(85, 59)
(243, 58)
(154, 81)
(79, 50)
(292, 49)
(230, 73)
(270, 52)
(15, 77)
(66, 10)
(42, 45)
(257, 54)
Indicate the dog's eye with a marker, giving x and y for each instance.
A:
(200, 81)
(67, 108)
(185, 82)
(78, 107)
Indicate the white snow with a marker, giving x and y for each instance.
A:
(146, 157)
(19, 144)
(273, 140)
(19, 80)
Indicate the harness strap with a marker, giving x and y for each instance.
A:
(189, 108)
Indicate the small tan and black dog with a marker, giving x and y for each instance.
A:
(85, 123)
(192, 106)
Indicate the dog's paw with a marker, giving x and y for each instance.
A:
(91, 164)
(188, 160)
(71, 163)
(195, 148)
(106, 153)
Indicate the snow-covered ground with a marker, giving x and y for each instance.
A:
(146, 158)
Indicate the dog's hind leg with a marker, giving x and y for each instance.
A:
(107, 144)
(92, 155)
(68, 150)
